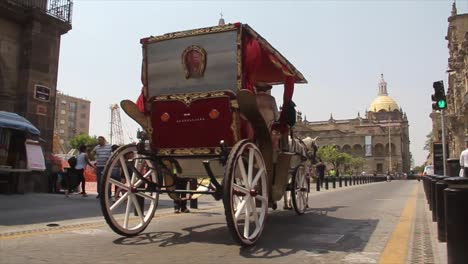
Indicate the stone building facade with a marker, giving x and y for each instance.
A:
(456, 114)
(29, 53)
(381, 137)
(71, 119)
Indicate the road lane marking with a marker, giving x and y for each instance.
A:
(396, 249)
(66, 228)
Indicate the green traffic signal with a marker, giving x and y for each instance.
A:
(441, 104)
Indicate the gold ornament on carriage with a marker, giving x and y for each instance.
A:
(194, 62)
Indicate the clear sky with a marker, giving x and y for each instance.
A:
(341, 47)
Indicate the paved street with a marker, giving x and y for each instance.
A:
(347, 225)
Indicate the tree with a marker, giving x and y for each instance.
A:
(83, 139)
(428, 143)
(356, 163)
(329, 154)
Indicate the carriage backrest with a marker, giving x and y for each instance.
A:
(168, 63)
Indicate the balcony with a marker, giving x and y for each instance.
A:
(60, 9)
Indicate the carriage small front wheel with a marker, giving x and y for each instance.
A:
(127, 205)
(245, 193)
(300, 190)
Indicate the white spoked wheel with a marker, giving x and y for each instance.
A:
(127, 207)
(300, 190)
(245, 193)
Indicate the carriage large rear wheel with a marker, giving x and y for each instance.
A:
(245, 193)
(300, 190)
(127, 207)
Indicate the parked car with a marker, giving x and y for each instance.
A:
(428, 170)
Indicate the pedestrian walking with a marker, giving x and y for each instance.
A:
(389, 177)
(103, 152)
(321, 172)
(81, 161)
(464, 160)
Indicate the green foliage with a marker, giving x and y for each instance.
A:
(428, 143)
(356, 163)
(418, 169)
(339, 160)
(83, 139)
(329, 154)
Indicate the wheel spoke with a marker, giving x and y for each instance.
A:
(240, 188)
(123, 165)
(254, 212)
(137, 207)
(261, 198)
(146, 196)
(119, 184)
(243, 172)
(247, 221)
(250, 172)
(257, 176)
(119, 201)
(127, 212)
(139, 181)
(239, 209)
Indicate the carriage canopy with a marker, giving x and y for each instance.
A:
(219, 58)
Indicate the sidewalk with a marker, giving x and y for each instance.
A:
(424, 246)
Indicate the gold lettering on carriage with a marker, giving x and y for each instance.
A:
(188, 98)
(190, 120)
(189, 151)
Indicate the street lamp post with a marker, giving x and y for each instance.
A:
(443, 141)
(389, 151)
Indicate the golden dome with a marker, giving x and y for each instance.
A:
(383, 102)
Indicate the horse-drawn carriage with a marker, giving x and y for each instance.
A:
(207, 114)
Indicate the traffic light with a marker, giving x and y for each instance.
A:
(438, 98)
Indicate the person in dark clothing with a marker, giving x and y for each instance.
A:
(181, 205)
(321, 171)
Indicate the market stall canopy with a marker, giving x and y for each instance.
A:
(15, 121)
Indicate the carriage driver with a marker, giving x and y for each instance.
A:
(269, 110)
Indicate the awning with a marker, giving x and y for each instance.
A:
(15, 121)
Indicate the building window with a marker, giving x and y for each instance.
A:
(63, 112)
(83, 116)
(62, 141)
(61, 131)
(64, 102)
(379, 167)
(82, 125)
(62, 121)
(83, 107)
(72, 107)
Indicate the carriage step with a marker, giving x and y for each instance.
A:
(186, 191)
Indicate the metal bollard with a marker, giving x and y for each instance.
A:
(334, 182)
(440, 208)
(340, 184)
(456, 218)
(193, 186)
(317, 184)
(326, 183)
(426, 187)
(345, 181)
(433, 198)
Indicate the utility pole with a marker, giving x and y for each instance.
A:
(443, 141)
(389, 151)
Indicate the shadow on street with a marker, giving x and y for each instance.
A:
(285, 233)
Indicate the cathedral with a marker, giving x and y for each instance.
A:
(381, 138)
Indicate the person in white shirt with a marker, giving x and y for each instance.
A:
(81, 162)
(464, 160)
